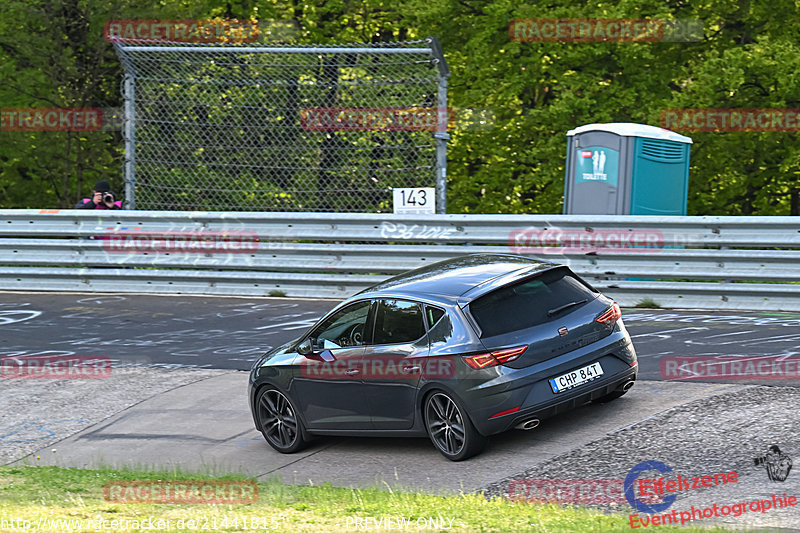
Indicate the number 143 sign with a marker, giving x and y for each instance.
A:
(414, 200)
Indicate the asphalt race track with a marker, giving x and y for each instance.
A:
(177, 397)
(230, 333)
(153, 331)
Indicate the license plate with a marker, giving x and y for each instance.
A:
(576, 377)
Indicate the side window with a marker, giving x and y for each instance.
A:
(432, 315)
(398, 321)
(343, 328)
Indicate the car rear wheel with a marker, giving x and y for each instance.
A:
(278, 421)
(450, 429)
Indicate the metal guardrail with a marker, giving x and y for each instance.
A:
(688, 262)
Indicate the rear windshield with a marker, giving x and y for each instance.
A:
(527, 304)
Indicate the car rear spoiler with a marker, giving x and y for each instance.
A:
(518, 276)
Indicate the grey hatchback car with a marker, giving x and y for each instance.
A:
(458, 350)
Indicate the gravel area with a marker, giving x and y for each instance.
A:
(719, 434)
(40, 412)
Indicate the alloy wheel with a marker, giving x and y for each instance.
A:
(279, 423)
(445, 424)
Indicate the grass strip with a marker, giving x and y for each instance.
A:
(48, 498)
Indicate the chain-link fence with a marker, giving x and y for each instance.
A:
(282, 128)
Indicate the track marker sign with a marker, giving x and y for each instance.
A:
(414, 200)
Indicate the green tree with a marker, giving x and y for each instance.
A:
(51, 57)
(52, 54)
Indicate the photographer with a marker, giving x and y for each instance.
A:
(102, 198)
(777, 463)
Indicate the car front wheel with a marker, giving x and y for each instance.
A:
(450, 429)
(278, 421)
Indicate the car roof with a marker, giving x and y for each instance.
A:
(459, 280)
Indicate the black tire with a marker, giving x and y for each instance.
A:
(278, 421)
(450, 429)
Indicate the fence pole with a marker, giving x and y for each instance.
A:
(129, 89)
(441, 135)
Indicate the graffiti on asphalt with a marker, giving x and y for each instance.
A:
(729, 320)
(33, 431)
(12, 316)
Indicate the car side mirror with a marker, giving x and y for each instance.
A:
(304, 348)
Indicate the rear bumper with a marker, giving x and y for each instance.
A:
(579, 397)
(534, 398)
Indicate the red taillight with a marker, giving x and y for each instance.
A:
(611, 315)
(498, 357)
(481, 361)
(506, 412)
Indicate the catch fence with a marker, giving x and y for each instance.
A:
(246, 127)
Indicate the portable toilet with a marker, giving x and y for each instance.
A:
(626, 169)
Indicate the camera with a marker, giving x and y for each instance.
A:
(777, 463)
(108, 197)
(773, 450)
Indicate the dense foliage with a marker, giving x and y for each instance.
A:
(52, 54)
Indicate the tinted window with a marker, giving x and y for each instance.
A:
(433, 314)
(398, 321)
(527, 304)
(343, 328)
(442, 330)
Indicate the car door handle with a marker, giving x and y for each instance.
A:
(352, 372)
(410, 369)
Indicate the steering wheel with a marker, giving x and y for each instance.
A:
(357, 334)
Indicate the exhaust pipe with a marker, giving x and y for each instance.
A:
(626, 386)
(528, 424)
